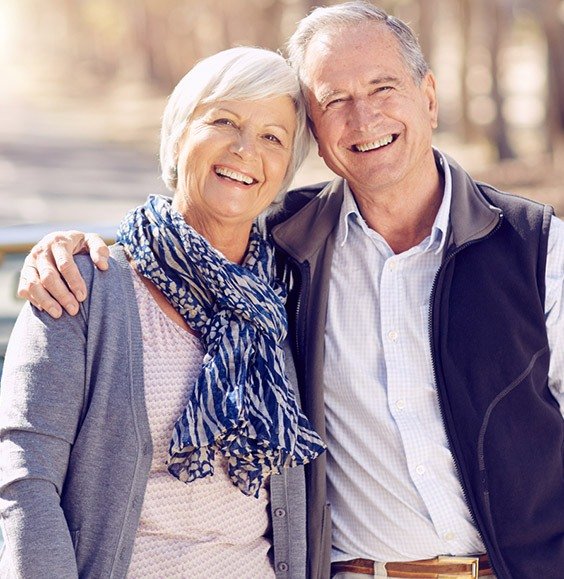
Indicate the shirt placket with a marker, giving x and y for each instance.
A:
(409, 368)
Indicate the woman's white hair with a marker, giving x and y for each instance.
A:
(242, 73)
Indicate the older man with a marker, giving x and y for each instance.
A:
(426, 314)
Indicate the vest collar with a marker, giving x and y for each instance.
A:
(471, 216)
(318, 217)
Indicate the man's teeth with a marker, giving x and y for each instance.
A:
(234, 175)
(375, 144)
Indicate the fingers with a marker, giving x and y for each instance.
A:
(58, 275)
(99, 251)
(41, 280)
(58, 271)
(30, 288)
(50, 278)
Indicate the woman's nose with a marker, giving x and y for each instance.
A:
(244, 144)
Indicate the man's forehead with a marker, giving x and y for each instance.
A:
(333, 63)
(366, 43)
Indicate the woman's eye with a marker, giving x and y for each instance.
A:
(223, 121)
(273, 139)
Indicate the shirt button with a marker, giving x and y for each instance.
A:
(279, 513)
(392, 336)
(400, 404)
(282, 566)
(449, 536)
(420, 470)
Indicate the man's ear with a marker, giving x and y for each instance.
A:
(314, 133)
(430, 90)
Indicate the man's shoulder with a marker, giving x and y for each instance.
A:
(293, 201)
(525, 213)
(507, 198)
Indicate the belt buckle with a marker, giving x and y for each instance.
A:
(474, 563)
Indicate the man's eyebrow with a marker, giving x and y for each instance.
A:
(328, 94)
(384, 79)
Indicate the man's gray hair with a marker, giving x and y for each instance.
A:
(242, 73)
(350, 13)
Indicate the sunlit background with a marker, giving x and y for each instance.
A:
(84, 83)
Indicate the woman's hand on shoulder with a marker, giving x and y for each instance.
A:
(50, 278)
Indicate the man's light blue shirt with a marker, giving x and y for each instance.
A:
(392, 481)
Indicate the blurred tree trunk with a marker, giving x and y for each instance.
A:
(427, 15)
(270, 26)
(308, 6)
(499, 17)
(467, 19)
(554, 30)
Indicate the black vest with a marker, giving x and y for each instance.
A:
(491, 359)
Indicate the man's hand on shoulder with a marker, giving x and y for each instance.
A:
(50, 279)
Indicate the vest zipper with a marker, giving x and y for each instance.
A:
(299, 329)
(442, 267)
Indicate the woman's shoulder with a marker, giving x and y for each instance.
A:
(114, 282)
(117, 265)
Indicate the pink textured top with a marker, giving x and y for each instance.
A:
(206, 528)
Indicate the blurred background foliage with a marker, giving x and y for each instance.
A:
(499, 64)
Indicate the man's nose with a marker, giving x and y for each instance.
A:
(364, 114)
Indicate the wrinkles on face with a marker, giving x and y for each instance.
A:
(373, 122)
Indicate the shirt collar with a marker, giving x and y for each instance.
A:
(437, 238)
(349, 213)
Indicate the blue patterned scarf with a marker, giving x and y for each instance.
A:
(242, 405)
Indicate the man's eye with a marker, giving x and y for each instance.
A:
(334, 103)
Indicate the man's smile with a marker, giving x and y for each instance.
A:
(372, 145)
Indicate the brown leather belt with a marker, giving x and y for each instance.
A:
(438, 568)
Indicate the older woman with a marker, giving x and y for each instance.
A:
(152, 434)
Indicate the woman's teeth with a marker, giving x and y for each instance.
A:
(224, 172)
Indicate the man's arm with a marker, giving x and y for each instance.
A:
(554, 309)
(50, 279)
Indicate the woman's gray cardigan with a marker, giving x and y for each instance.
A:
(75, 445)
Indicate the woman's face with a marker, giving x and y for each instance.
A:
(233, 159)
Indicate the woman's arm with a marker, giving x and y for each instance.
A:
(50, 279)
(41, 402)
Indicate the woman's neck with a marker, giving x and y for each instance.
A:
(231, 238)
(232, 242)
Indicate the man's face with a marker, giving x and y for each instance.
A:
(372, 121)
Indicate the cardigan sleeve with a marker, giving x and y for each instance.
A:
(41, 401)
